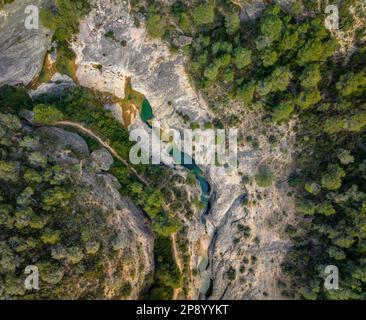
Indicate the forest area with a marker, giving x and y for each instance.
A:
(285, 62)
(81, 106)
(38, 225)
(288, 63)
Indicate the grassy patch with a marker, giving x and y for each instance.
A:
(66, 64)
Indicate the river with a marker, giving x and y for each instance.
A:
(187, 162)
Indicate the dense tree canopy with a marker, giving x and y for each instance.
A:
(43, 218)
(285, 61)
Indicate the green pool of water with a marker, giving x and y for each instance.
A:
(147, 114)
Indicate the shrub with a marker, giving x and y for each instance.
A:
(264, 177)
(45, 114)
(231, 274)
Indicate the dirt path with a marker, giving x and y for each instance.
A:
(175, 252)
(105, 145)
(141, 178)
(177, 261)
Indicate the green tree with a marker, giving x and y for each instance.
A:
(308, 98)
(232, 23)
(25, 197)
(38, 221)
(289, 40)
(271, 27)
(345, 157)
(246, 93)
(332, 178)
(137, 188)
(50, 236)
(336, 253)
(50, 273)
(204, 14)
(29, 143)
(231, 274)
(229, 76)
(191, 178)
(316, 51)
(74, 255)
(37, 159)
(9, 121)
(344, 241)
(92, 247)
(355, 122)
(280, 78)
(306, 207)
(351, 83)
(164, 226)
(334, 124)
(7, 259)
(23, 218)
(9, 171)
(55, 198)
(211, 72)
(282, 112)
(242, 57)
(269, 57)
(14, 286)
(185, 22)
(63, 17)
(58, 252)
(312, 188)
(156, 25)
(32, 176)
(311, 76)
(154, 203)
(44, 114)
(6, 219)
(326, 208)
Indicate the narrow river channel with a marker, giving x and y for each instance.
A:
(187, 162)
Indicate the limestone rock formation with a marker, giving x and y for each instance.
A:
(129, 264)
(102, 158)
(22, 51)
(58, 84)
(161, 77)
(155, 72)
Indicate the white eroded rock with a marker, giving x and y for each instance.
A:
(22, 51)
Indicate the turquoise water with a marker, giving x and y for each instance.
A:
(147, 114)
(189, 163)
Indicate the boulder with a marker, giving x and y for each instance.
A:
(102, 158)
